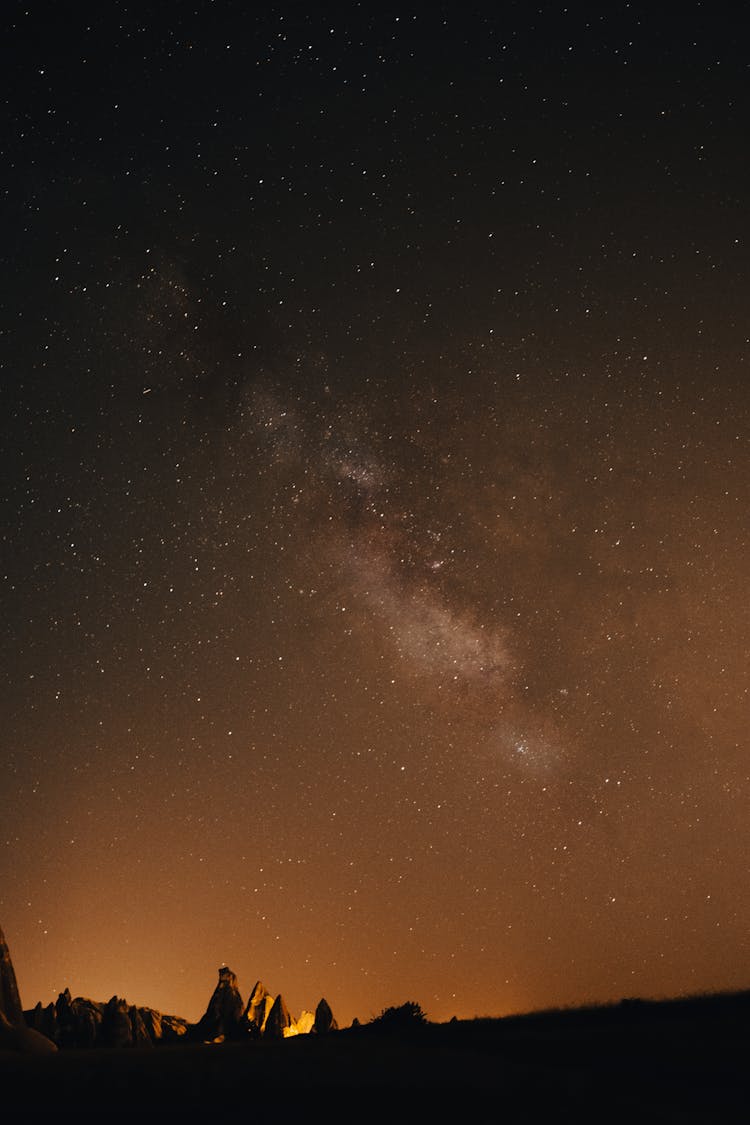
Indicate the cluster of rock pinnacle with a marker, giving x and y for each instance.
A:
(79, 1022)
(228, 1018)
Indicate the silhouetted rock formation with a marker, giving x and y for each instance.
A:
(278, 1019)
(10, 1001)
(140, 1035)
(87, 1023)
(161, 1028)
(258, 1006)
(224, 1014)
(14, 1034)
(262, 1015)
(324, 1021)
(154, 1023)
(78, 1022)
(117, 1029)
(42, 1019)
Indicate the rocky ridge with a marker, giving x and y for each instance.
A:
(79, 1022)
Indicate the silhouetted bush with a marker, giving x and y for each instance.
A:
(405, 1017)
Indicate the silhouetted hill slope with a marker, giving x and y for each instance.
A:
(723, 1013)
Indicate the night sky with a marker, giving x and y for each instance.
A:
(375, 491)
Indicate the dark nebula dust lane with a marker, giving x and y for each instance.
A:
(375, 483)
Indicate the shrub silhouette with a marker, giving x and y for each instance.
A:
(405, 1017)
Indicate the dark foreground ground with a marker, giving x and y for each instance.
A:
(681, 1062)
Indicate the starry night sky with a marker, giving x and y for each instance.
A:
(375, 484)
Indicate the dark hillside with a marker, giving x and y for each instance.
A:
(679, 1061)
